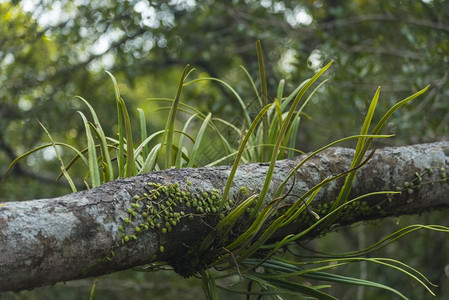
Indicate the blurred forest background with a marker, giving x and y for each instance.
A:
(51, 51)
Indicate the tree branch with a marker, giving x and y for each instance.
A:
(51, 240)
(351, 21)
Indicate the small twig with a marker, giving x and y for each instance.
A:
(314, 214)
(236, 265)
(288, 192)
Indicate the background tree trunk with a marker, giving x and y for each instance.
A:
(51, 240)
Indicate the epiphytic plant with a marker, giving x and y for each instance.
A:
(241, 243)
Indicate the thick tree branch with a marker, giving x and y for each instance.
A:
(50, 240)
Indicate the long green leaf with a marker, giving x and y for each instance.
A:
(242, 146)
(209, 286)
(280, 91)
(332, 261)
(292, 136)
(143, 131)
(274, 293)
(58, 155)
(121, 130)
(292, 133)
(109, 174)
(92, 155)
(292, 172)
(390, 239)
(199, 138)
(353, 281)
(284, 285)
(201, 116)
(92, 290)
(288, 100)
(20, 157)
(330, 215)
(287, 218)
(401, 103)
(167, 140)
(328, 276)
(360, 152)
(129, 165)
(253, 84)
(282, 132)
(178, 162)
(363, 145)
(151, 160)
(367, 122)
(264, 98)
(237, 96)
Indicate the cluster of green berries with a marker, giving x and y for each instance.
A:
(161, 208)
(417, 182)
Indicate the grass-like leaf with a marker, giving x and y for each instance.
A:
(125, 164)
(92, 290)
(253, 84)
(58, 155)
(283, 285)
(390, 239)
(328, 277)
(143, 131)
(233, 91)
(264, 98)
(121, 130)
(292, 172)
(281, 136)
(199, 138)
(360, 152)
(219, 161)
(330, 216)
(178, 161)
(182, 107)
(364, 143)
(209, 286)
(242, 146)
(94, 172)
(129, 165)
(41, 147)
(333, 262)
(151, 160)
(167, 139)
(109, 174)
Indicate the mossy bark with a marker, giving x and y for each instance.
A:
(83, 234)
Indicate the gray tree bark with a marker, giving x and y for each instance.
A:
(70, 237)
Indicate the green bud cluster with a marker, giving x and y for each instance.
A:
(417, 182)
(158, 209)
(349, 212)
(161, 208)
(205, 202)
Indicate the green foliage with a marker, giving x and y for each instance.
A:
(92, 291)
(255, 217)
(398, 45)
